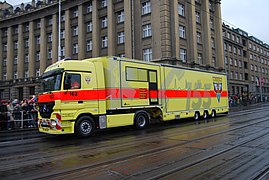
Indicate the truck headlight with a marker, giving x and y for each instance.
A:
(53, 123)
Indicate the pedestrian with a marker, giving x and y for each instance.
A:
(10, 119)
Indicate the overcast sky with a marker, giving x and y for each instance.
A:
(248, 15)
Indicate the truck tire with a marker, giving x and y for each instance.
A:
(213, 114)
(205, 116)
(141, 120)
(196, 116)
(84, 126)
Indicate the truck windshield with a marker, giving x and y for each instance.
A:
(52, 83)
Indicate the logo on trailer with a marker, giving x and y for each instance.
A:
(217, 82)
(88, 80)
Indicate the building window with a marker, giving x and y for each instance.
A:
(146, 8)
(251, 67)
(182, 33)
(238, 39)
(62, 51)
(26, 59)
(75, 12)
(5, 62)
(5, 47)
(236, 75)
(15, 60)
(230, 48)
(211, 23)
(104, 3)
(104, 22)
(239, 52)
(235, 62)
(147, 30)
(231, 61)
(231, 75)
(147, 54)
(183, 55)
(89, 26)
(214, 61)
(27, 43)
(250, 46)
(75, 48)
(226, 60)
(38, 56)
(250, 56)
(235, 50)
(233, 37)
(212, 42)
(37, 72)
(50, 21)
(181, 9)
(121, 17)
(228, 35)
(38, 24)
(89, 45)
(26, 74)
(198, 17)
(240, 63)
(49, 54)
(104, 41)
(75, 31)
(62, 34)
(120, 37)
(89, 7)
(27, 27)
(254, 47)
(15, 75)
(256, 68)
(4, 76)
(198, 36)
(50, 37)
(16, 31)
(16, 45)
(63, 18)
(200, 58)
(38, 40)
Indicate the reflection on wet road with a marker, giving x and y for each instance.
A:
(230, 147)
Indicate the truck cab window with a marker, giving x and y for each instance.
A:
(72, 81)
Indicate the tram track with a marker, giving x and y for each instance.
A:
(72, 172)
(35, 158)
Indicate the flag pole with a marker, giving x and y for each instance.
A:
(261, 88)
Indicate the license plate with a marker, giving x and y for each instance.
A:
(45, 129)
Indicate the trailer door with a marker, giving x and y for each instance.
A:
(153, 87)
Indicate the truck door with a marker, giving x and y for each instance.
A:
(153, 87)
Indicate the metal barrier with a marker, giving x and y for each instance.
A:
(19, 119)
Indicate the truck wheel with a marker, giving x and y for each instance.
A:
(213, 114)
(205, 115)
(85, 126)
(141, 120)
(196, 116)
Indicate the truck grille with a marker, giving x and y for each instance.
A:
(46, 109)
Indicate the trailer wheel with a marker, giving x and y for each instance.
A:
(84, 126)
(196, 116)
(141, 120)
(205, 116)
(213, 114)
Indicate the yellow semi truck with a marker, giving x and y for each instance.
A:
(80, 96)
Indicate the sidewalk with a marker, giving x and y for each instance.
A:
(249, 106)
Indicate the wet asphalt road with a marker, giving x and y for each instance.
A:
(234, 146)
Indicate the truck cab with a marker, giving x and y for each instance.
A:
(70, 90)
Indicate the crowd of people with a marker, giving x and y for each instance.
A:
(237, 100)
(18, 114)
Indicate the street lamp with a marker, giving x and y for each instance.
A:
(59, 31)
